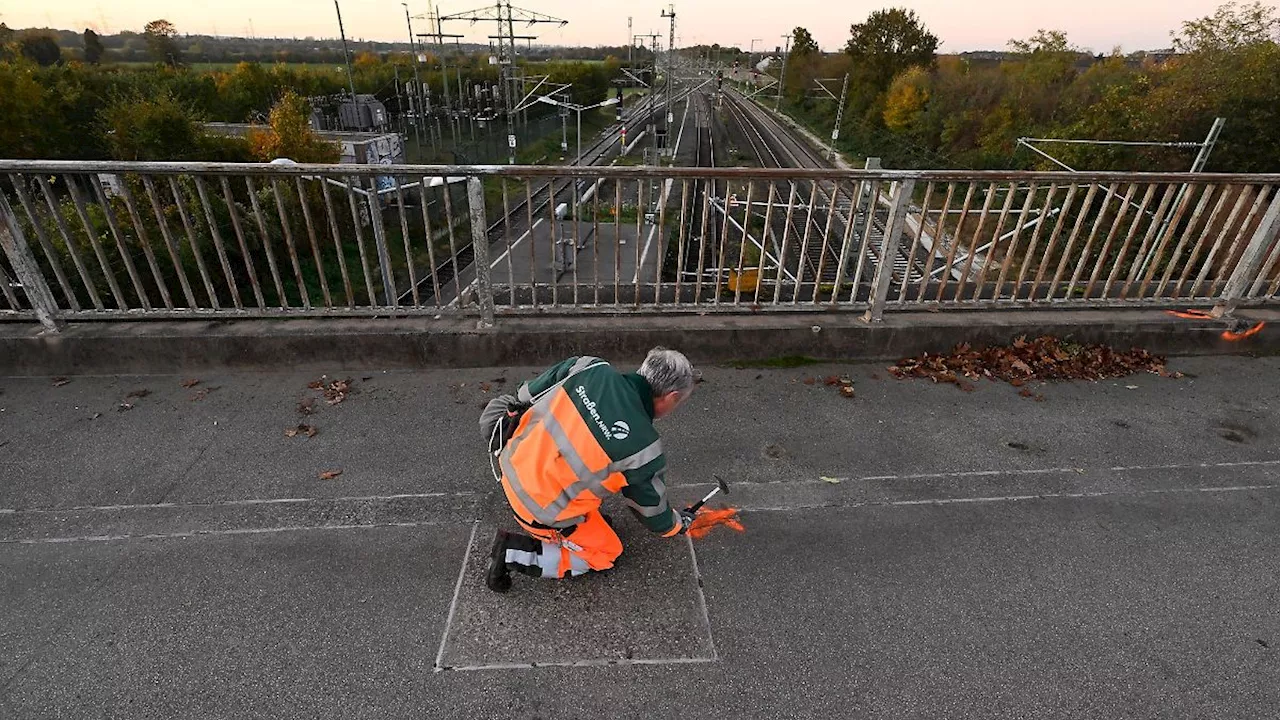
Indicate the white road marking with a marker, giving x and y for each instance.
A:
(212, 533)
(457, 592)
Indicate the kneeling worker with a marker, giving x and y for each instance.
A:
(582, 431)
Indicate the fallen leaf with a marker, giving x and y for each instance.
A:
(60, 381)
(306, 407)
(485, 387)
(832, 480)
(811, 381)
(139, 393)
(122, 407)
(190, 383)
(330, 474)
(846, 391)
(301, 429)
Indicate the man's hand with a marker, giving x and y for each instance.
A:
(686, 521)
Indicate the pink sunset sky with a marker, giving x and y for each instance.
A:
(1098, 25)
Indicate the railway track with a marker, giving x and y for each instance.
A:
(457, 270)
(822, 260)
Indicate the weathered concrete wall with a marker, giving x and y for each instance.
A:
(157, 347)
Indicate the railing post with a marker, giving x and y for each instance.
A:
(1247, 268)
(883, 278)
(15, 246)
(480, 247)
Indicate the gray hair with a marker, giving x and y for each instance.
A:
(667, 371)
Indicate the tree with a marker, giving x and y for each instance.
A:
(290, 135)
(1044, 41)
(160, 36)
(40, 48)
(802, 43)
(151, 127)
(907, 98)
(93, 49)
(1232, 27)
(889, 42)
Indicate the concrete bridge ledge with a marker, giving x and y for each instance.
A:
(334, 344)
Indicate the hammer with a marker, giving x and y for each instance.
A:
(721, 486)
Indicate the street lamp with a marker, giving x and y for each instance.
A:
(578, 109)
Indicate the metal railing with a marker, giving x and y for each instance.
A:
(114, 241)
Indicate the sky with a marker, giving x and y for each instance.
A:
(962, 25)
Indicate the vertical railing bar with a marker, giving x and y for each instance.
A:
(702, 239)
(865, 248)
(553, 232)
(1205, 195)
(1148, 239)
(447, 194)
(83, 214)
(1111, 237)
(19, 182)
(826, 239)
(230, 200)
(882, 280)
(939, 233)
(682, 247)
(1232, 259)
(61, 222)
(1071, 240)
(1001, 223)
(576, 212)
(847, 240)
(118, 235)
(724, 246)
(1030, 257)
(1111, 192)
(1012, 250)
(423, 183)
(170, 243)
(287, 228)
(219, 248)
(915, 245)
(804, 242)
(189, 227)
(386, 270)
(1242, 201)
(659, 256)
(408, 244)
(315, 244)
(533, 252)
(955, 242)
(144, 239)
(506, 237)
(478, 218)
(349, 183)
(1052, 243)
(617, 243)
(267, 246)
(642, 196)
(973, 243)
(336, 235)
(1205, 234)
(793, 190)
(595, 239)
(764, 241)
(742, 244)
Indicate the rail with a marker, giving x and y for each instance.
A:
(119, 241)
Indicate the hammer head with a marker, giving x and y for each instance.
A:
(724, 486)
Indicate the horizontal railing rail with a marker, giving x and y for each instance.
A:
(121, 240)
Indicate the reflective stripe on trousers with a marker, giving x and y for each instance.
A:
(592, 546)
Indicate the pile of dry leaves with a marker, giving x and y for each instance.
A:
(1044, 358)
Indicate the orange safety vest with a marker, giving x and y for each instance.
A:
(554, 471)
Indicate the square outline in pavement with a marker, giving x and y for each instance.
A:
(703, 612)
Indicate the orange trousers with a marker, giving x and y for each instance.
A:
(592, 545)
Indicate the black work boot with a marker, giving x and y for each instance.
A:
(498, 577)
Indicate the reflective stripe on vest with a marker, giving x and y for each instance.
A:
(557, 470)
